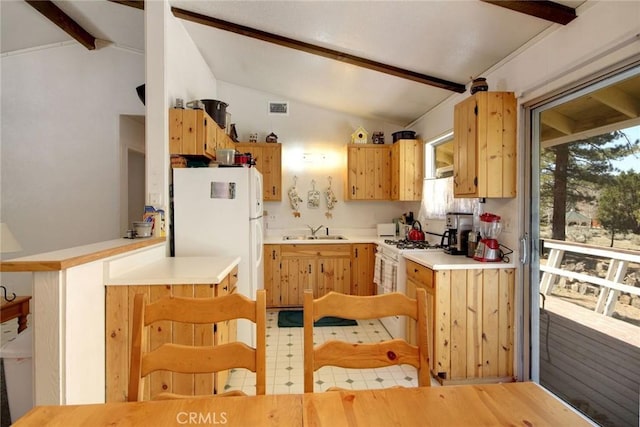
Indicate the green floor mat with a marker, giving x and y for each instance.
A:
(294, 319)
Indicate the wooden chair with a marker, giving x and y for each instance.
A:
(196, 359)
(363, 356)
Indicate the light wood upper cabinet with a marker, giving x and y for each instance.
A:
(407, 170)
(192, 133)
(195, 133)
(470, 320)
(268, 158)
(368, 172)
(484, 147)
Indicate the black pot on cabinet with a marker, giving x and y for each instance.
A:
(403, 134)
(217, 110)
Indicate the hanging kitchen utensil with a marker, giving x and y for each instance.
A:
(313, 196)
(294, 198)
(331, 200)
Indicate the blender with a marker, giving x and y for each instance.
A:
(488, 249)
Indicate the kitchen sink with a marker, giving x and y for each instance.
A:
(307, 237)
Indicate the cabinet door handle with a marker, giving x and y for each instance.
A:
(353, 190)
(273, 190)
(309, 268)
(356, 252)
(322, 268)
(273, 254)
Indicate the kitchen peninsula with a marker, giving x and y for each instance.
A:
(69, 309)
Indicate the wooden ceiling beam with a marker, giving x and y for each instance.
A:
(618, 100)
(558, 121)
(54, 14)
(138, 4)
(317, 50)
(544, 9)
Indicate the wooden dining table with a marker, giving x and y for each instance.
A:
(509, 404)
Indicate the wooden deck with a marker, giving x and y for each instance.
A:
(592, 361)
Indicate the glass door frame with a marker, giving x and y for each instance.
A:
(530, 243)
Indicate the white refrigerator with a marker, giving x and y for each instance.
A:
(218, 212)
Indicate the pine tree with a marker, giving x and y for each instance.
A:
(574, 172)
(619, 204)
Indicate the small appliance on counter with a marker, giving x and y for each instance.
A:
(488, 249)
(386, 230)
(455, 237)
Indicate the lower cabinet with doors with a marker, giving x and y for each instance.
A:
(290, 269)
(470, 320)
(118, 311)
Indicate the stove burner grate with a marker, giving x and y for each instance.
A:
(411, 244)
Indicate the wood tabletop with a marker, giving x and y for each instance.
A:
(265, 410)
(513, 404)
(508, 404)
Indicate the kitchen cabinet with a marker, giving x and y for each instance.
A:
(471, 322)
(407, 170)
(290, 269)
(484, 145)
(268, 158)
(192, 133)
(223, 141)
(368, 172)
(195, 133)
(362, 267)
(118, 311)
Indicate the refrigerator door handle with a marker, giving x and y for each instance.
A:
(259, 241)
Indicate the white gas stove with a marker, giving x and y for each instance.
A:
(391, 274)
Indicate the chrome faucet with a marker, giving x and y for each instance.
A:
(314, 230)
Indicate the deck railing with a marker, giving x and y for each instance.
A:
(610, 286)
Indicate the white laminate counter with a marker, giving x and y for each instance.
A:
(178, 271)
(279, 240)
(440, 261)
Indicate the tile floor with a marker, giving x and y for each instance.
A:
(285, 361)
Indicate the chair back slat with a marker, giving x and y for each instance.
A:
(375, 355)
(364, 307)
(200, 310)
(199, 360)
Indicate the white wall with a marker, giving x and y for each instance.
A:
(603, 34)
(174, 69)
(60, 152)
(309, 129)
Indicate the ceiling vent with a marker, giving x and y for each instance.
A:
(279, 108)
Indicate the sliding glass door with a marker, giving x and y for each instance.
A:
(584, 270)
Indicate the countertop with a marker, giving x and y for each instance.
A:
(71, 257)
(178, 271)
(441, 261)
(348, 238)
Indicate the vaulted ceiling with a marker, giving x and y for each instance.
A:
(450, 41)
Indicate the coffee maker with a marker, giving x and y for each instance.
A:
(458, 225)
